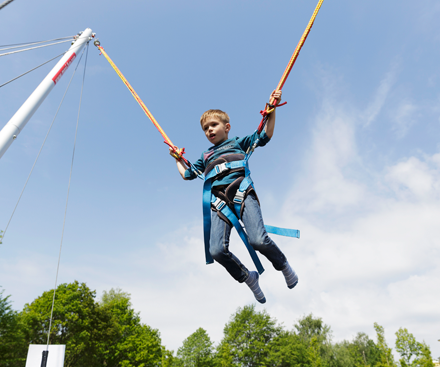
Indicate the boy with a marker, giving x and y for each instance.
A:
(215, 124)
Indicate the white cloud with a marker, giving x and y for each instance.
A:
(369, 248)
(403, 117)
(415, 179)
(375, 106)
(329, 162)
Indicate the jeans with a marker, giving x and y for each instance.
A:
(257, 236)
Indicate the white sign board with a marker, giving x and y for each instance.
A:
(55, 358)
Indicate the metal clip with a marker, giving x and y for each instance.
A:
(219, 168)
(239, 197)
(219, 204)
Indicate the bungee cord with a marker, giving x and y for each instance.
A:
(273, 103)
(176, 152)
(68, 192)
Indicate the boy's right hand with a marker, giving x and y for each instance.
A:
(174, 154)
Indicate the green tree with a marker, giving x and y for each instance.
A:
(317, 336)
(108, 334)
(135, 344)
(407, 346)
(12, 343)
(412, 352)
(248, 335)
(342, 356)
(223, 357)
(308, 327)
(168, 359)
(78, 322)
(424, 359)
(288, 349)
(386, 358)
(115, 295)
(364, 351)
(197, 350)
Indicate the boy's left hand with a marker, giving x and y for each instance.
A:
(276, 94)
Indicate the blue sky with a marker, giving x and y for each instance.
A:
(354, 162)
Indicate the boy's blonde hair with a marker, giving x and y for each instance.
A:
(222, 116)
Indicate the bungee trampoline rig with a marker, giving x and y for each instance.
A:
(16, 124)
(233, 215)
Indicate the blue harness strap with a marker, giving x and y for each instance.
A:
(207, 219)
(241, 193)
(282, 231)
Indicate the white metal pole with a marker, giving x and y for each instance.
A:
(16, 124)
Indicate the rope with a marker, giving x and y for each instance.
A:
(291, 63)
(2, 5)
(33, 48)
(18, 45)
(136, 96)
(44, 63)
(38, 155)
(68, 191)
(178, 152)
(298, 47)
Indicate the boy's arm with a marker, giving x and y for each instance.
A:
(270, 124)
(181, 167)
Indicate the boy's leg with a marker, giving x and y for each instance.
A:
(219, 249)
(260, 240)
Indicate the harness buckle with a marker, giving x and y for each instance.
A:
(239, 197)
(219, 204)
(219, 168)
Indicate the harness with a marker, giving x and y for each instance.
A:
(228, 202)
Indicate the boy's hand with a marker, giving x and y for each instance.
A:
(174, 154)
(276, 94)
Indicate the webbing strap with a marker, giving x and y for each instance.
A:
(240, 194)
(282, 231)
(222, 167)
(234, 220)
(207, 219)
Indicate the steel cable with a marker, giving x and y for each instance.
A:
(27, 72)
(18, 45)
(68, 191)
(33, 48)
(39, 152)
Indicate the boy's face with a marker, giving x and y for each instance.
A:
(215, 130)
